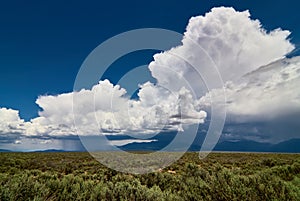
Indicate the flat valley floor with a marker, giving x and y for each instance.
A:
(220, 176)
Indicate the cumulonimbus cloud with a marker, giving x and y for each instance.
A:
(236, 44)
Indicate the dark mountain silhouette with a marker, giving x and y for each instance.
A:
(5, 150)
(51, 150)
(243, 145)
(290, 146)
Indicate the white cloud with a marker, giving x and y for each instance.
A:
(114, 111)
(11, 126)
(124, 142)
(10, 121)
(237, 46)
(35, 144)
(223, 38)
(267, 93)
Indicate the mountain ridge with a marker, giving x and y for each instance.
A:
(289, 146)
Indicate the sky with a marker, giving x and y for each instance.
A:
(43, 45)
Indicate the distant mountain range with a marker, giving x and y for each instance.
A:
(52, 150)
(38, 151)
(4, 150)
(289, 146)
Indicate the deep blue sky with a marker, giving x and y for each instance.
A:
(43, 43)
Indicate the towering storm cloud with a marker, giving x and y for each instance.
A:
(234, 42)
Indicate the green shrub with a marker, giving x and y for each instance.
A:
(77, 176)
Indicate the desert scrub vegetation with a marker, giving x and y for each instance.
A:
(220, 176)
